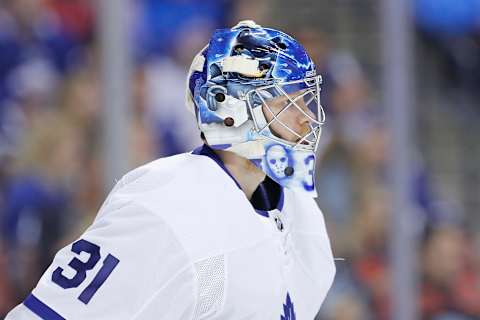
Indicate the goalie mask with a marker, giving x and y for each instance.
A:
(255, 92)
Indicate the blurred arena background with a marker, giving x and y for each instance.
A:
(53, 111)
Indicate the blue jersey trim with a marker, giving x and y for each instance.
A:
(262, 213)
(221, 146)
(205, 150)
(280, 203)
(41, 309)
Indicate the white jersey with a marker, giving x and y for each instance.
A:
(177, 239)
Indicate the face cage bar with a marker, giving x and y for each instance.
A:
(314, 130)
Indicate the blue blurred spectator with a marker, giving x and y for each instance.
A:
(160, 22)
(451, 29)
(33, 212)
(174, 127)
(449, 17)
(29, 31)
(37, 44)
(33, 221)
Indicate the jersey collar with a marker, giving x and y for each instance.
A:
(205, 150)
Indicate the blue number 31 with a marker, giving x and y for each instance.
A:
(81, 268)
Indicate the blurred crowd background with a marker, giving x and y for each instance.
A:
(51, 155)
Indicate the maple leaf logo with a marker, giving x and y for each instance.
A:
(288, 310)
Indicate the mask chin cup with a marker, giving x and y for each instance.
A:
(293, 169)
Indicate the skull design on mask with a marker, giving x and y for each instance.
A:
(277, 160)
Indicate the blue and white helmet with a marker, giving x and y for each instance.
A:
(229, 86)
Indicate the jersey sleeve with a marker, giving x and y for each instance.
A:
(127, 265)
